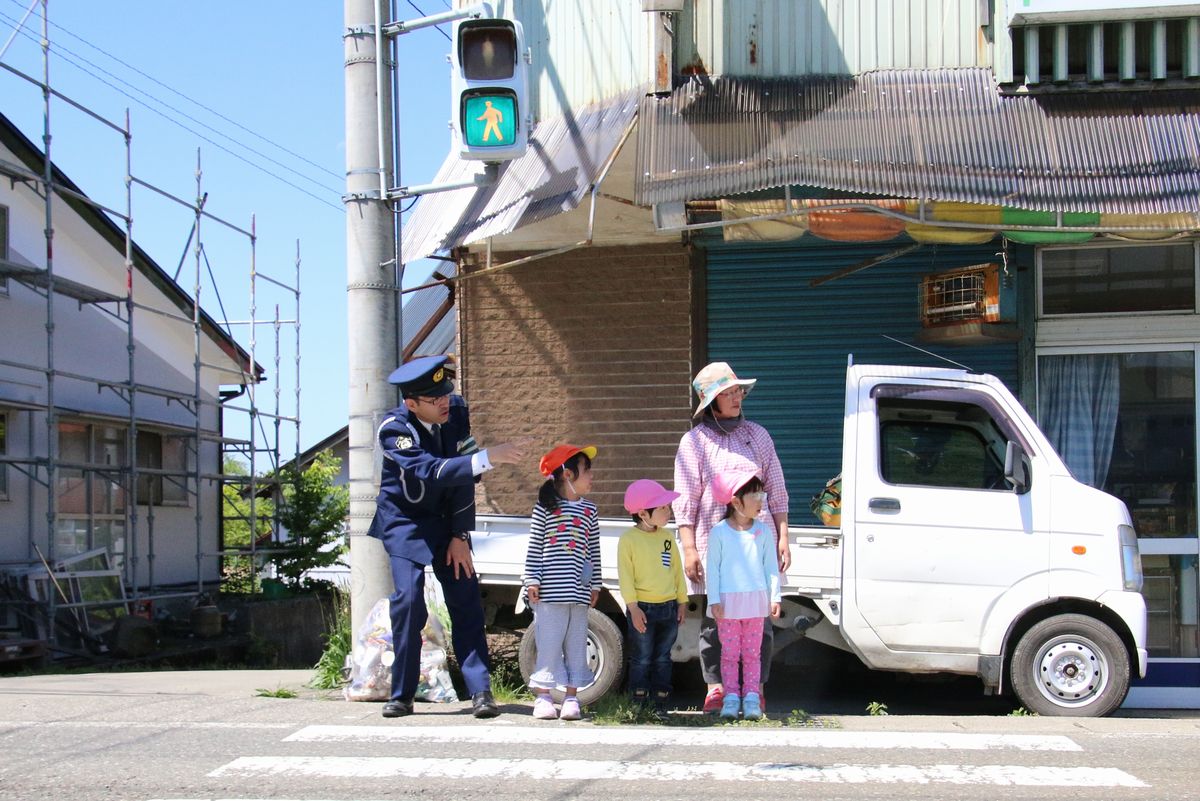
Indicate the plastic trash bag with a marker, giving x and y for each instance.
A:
(369, 664)
(434, 686)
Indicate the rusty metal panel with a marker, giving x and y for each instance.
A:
(770, 38)
(935, 134)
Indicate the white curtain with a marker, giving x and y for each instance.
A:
(1080, 398)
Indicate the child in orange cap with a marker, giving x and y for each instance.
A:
(651, 576)
(562, 578)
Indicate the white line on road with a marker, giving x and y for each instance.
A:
(575, 770)
(127, 724)
(724, 737)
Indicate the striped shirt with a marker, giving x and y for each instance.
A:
(703, 453)
(563, 558)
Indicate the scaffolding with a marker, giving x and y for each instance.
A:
(130, 479)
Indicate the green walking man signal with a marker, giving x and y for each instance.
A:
(489, 89)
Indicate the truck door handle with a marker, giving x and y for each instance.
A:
(884, 504)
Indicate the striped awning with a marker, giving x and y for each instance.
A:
(942, 134)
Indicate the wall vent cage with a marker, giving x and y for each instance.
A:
(967, 294)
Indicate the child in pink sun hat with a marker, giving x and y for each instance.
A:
(651, 576)
(743, 587)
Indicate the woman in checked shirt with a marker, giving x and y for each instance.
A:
(723, 441)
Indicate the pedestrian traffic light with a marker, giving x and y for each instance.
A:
(489, 89)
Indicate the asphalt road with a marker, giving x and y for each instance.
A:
(209, 735)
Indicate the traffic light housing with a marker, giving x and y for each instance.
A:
(489, 89)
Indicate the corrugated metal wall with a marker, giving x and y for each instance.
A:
(584, 51)
(768, 323)
(814, 37)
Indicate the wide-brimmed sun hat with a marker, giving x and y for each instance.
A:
(644, 495)
(559, 454)
(726, 484)
(714, 379)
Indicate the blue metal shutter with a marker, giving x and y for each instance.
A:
(768, 323)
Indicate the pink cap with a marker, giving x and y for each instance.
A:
(645, 494)
(725, 485)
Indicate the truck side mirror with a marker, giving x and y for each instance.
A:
(1016, 467)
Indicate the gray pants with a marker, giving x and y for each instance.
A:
(560, 634)
(710, 646)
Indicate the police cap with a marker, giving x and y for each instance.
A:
(425, 376)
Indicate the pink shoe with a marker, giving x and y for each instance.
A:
(543, 708)
(570, 709)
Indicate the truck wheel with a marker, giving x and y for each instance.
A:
(606, 657)
(1070, 665)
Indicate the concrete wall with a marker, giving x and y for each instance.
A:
(592, 347)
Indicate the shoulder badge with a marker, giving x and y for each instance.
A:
(403, 442)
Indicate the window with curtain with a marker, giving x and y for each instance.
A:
(1126, 423)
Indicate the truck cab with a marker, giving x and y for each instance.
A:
(968, 547)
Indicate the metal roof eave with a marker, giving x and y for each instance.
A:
(942, 134)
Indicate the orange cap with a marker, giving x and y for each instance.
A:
(559, 454)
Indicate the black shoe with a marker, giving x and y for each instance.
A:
(483, 705)
(397, 709)
(660, 711)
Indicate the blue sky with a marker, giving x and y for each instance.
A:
(259, 83)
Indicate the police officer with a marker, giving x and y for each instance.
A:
(424, 515)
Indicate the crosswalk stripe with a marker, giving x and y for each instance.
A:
(725, 737)
(581, 770)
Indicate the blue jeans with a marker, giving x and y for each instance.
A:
(650, 651)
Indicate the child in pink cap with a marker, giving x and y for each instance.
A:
(651, 576)
(743, 587)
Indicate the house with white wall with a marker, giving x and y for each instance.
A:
(111, 391)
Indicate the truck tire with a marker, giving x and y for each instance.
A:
(606, 657)
(1070, 666)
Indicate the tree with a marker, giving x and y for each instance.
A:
(314, 513)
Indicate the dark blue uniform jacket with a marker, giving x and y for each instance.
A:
(427, 490)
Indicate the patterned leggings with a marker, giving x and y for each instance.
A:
(741, 641)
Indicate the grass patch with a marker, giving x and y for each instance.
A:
(329, 671)
(508, 686)
(278, 692)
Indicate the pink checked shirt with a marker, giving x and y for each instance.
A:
(704, 452)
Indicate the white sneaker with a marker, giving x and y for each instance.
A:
(543, 708)
(570, 709)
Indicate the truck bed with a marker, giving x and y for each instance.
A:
(500, 541)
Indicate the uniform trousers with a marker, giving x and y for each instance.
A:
(560, 634)
(409, 614)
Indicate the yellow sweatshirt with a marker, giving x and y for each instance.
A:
(649, 568)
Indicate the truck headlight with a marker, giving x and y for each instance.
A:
(1131, 559)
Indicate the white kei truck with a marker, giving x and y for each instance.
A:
(965, 547)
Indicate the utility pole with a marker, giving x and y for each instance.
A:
(371, 291)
